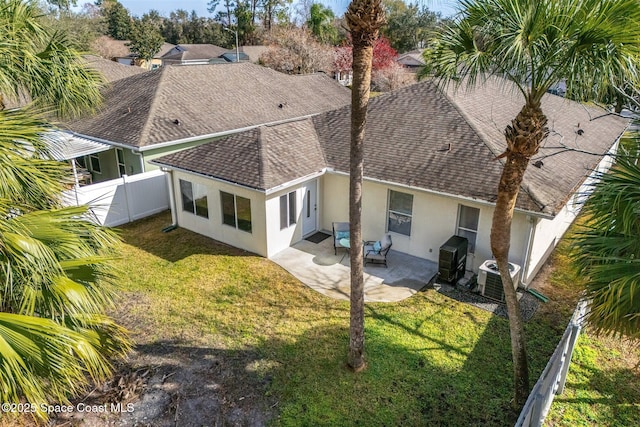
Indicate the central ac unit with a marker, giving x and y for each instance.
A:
(490, 282)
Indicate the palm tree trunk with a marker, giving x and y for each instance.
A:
(523, 137)
(364, 18)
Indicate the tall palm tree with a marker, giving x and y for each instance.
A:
(606, 250)
(56, 283)
(364, 19)
(534, 44)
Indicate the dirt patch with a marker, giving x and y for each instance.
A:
(178, 385)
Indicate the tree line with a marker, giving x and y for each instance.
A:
(408, 25)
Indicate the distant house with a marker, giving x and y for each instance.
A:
(196, 54)
(429, 173)
(169, 109)
(412, 61)
(132, 58)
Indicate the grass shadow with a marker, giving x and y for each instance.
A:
(174, 245)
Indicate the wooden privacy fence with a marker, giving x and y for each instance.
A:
(554, 376)
(123, 200)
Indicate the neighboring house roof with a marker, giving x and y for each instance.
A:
(411, 59)
(142, 110)
(190, 52)
(422, 138)
(234, 56)
(164, 49)
(111, 70)
(261, 158)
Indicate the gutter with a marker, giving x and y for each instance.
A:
(194, 138)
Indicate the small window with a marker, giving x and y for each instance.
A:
(122, 169)
(288, 210)
(194, 198)
(82, 161)
(468, 219)
(236, 211)
(95, 163)
(400, 212)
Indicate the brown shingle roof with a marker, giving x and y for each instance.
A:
(261, 158)
(205, 99)
(190, 52)
(111, 70)
(420, 137)
(491, 106)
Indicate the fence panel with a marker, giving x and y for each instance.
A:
(123, 200)
(552, 379)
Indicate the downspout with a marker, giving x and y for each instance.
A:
(527, 250)
(135, 153)
(172, 201)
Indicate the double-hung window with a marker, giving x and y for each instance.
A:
(122, 169)
(194, 198)
(94, 161)
(288, 210)
(468, 219)
(236, 211)
(400, 212)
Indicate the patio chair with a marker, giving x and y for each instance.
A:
(375, 252)
(340, 231)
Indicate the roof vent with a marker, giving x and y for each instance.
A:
(580, 132)
(538, 164)
(282, 105)
(176, 122)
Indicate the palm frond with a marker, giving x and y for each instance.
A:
(607, 250)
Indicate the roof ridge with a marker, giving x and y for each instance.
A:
(144, 134)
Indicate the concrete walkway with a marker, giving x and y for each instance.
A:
(315, 265)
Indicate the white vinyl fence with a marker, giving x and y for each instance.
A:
(125, 199)
(554, 376)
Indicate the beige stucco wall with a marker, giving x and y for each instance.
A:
(256, 241)
(281, 239)
(435, 219)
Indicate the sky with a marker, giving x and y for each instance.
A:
(139, 7)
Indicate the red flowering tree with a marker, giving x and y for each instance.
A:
(383, 55)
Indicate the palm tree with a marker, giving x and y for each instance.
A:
(534, 44)
(54, 334)
(41, 65)
(364, 19)
(606, 250)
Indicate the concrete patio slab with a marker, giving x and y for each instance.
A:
(315, 265)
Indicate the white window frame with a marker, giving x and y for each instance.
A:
(472, 245)
(394, 212)
(95, 156)
(123, 164)
(194, 207)
(290, 213)
(235, 212)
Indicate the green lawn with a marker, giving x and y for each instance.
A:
(431, 360)
(603, 385)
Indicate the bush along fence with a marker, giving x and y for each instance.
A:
(123, 200)
(554, 376)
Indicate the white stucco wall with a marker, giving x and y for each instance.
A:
(281, 239)
(435, 219)
(548, 232)
(256, 241)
